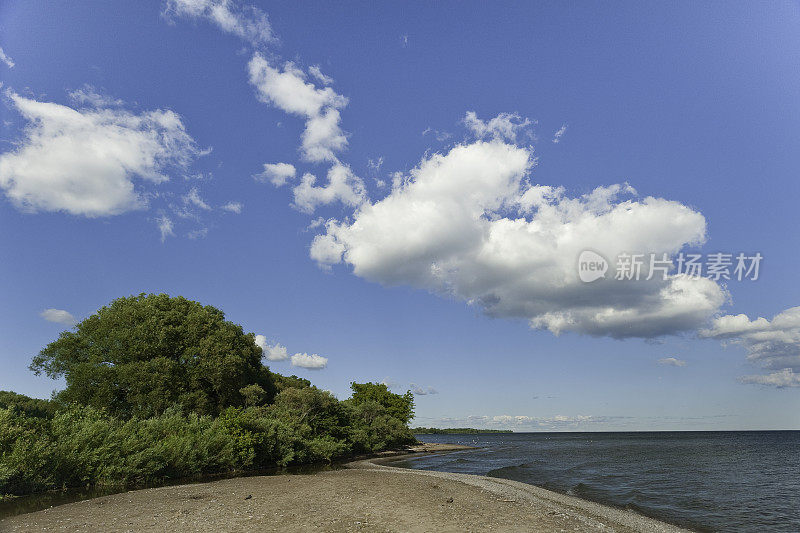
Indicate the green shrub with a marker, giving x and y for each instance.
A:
(82, 446)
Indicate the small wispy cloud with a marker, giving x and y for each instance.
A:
(374, 165)
(193, 198)
(317, 74)
(390, 383)
(5, 59)
(438, 135)
(671, 361)
(59, 316)
(246, 22)
(419, 390)
(201, 233)
(88, 95)
(560, 133)
(503, 126)
(525, 422)
(165, 227)
(232, 207)
(784, 378)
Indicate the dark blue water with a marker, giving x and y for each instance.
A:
(708, 481)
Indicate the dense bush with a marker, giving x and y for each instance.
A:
(19, 403)
(82, 446)
(162, 388)
(398, 406)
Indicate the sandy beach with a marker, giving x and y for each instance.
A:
(364, 496)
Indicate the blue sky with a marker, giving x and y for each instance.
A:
(132, 155)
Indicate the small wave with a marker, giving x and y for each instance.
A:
(505, 471)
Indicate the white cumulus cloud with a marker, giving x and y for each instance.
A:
(342, 186)
(771, 344)
(311, 362)
(272, 352)
(88, 161)
(59, 316)
(469, 224)
(277, 173)
(288, 89)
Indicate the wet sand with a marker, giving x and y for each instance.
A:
(365, 496)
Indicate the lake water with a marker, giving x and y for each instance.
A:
(707, 481)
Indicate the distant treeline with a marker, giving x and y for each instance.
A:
(162, 388)
(448, 431)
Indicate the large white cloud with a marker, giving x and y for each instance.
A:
(772, 344)
(248, 22)
(85, 161)
(469, 224)
(289, 88)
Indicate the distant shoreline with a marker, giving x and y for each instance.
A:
(367, 495)
(456, 431)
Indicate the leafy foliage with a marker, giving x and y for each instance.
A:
(142, 354)
(162, 388)
(81, 446)
(19, 403)
(399, 406)
(286, 382)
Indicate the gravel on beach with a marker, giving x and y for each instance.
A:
(365, 496)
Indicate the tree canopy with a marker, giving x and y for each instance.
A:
(399, 406)
(142, 354)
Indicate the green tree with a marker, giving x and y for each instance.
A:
(140, 355)
(399, 406)
(290, 382)
(20, 403)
